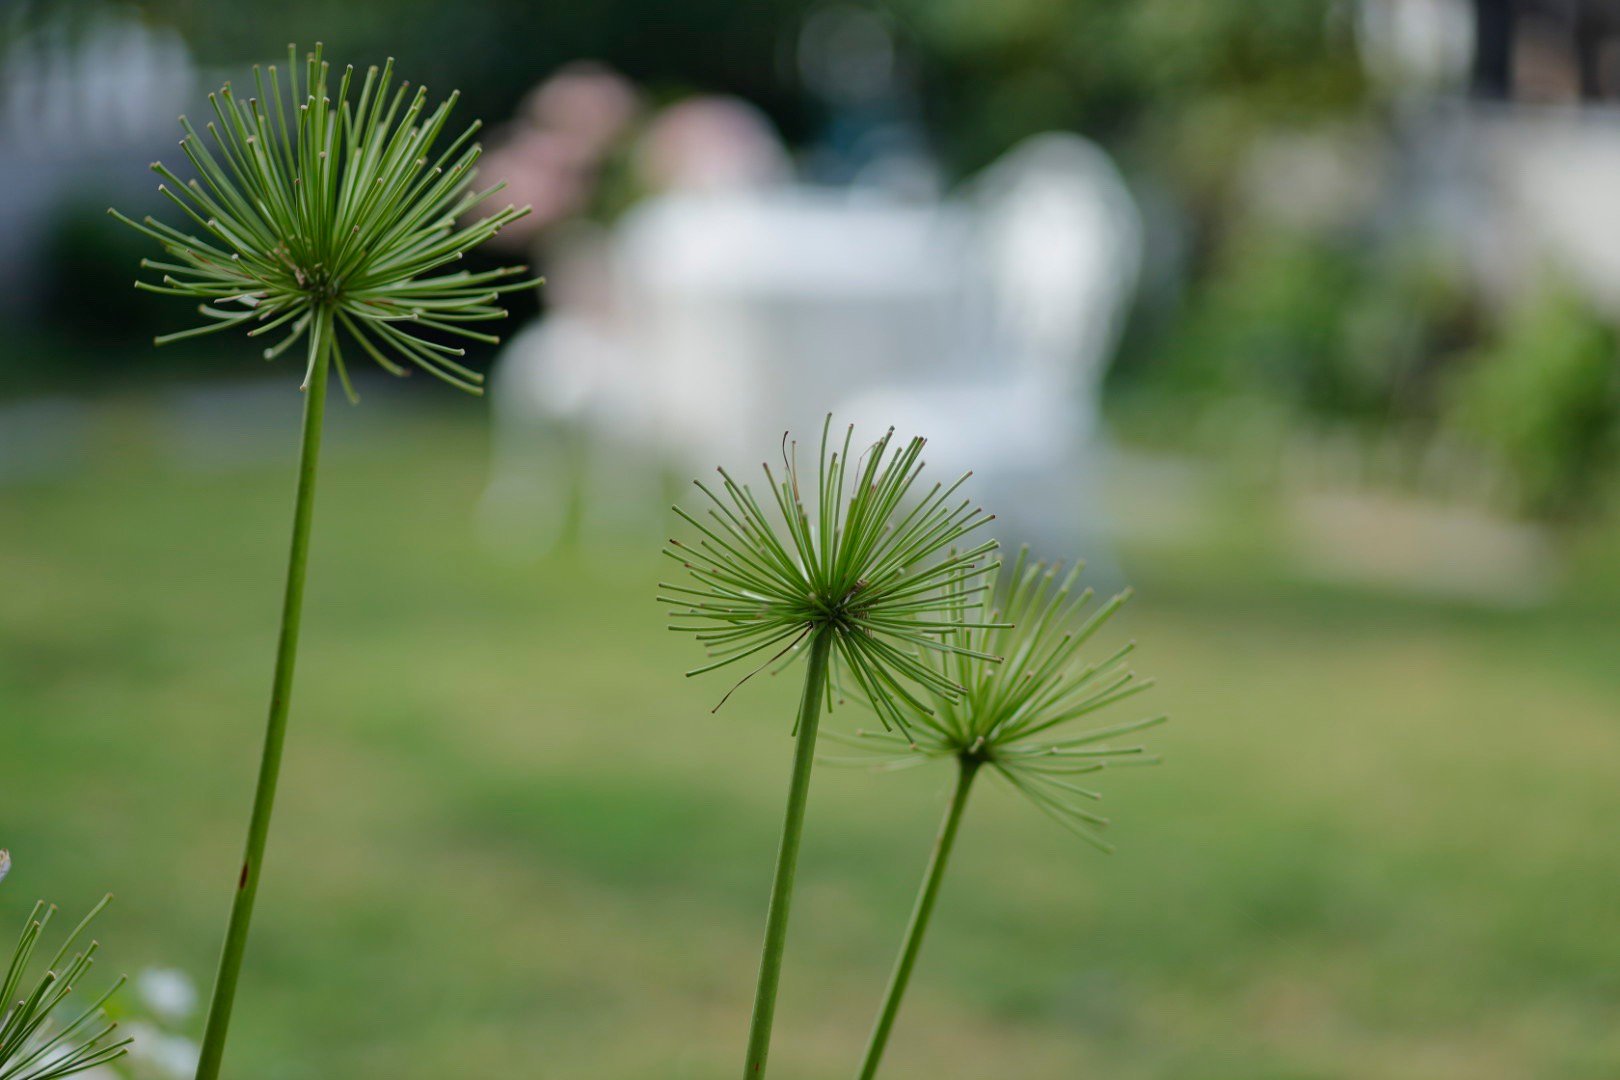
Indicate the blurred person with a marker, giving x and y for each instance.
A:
(589, 103)
(553, 153)
(712, 144)
(580, 407)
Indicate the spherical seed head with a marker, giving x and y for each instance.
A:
(862, 557)
(317, 218)
(1017, 718)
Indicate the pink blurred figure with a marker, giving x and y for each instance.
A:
(712, 144)
(550, 155)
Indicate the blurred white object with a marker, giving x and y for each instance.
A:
(168, 992)
(156, 1053)
(1517, 192)
(88, 92)
(1548, 175)
(1059, 247)
(757, 313)
(573, 411)
(697, 333)
(94, 76)
(1416, 46)
(723, 313)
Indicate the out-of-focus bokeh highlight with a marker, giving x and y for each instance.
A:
(1300, 317)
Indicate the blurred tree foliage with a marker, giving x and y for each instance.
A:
(1396, 343)
(1328, 327)
(494, 51)
(1191, 76)
(1544, 399)
(1185, 81)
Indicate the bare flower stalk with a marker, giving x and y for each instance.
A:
(1005, 722)
(223, 998)
(921, 911)
(787, 856)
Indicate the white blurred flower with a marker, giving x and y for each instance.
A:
(173, 1057)
(168, 992)
(5, 863)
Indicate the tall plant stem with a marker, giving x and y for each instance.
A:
(275, 734)
(787, 856)
(920, 914)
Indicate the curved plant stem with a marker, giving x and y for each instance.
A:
(787, 856)
(264, 797)
(920, 913)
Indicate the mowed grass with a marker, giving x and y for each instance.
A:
(513, 841)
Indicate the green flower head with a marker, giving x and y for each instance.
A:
(38, 1042)
(1015, 717)
(313, 213)
(869, 562)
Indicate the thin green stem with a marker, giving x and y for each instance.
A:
(920, 913)
(264, 797)
(787, 856)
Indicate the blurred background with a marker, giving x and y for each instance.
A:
(1298, 316)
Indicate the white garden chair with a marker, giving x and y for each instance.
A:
(1057, 252)
(726, 318)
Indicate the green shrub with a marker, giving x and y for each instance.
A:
(1543, 400)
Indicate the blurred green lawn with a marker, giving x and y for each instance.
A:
(513, 841)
